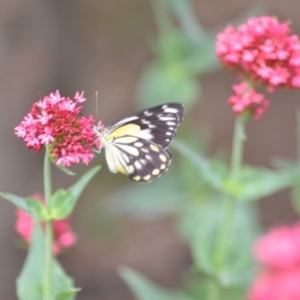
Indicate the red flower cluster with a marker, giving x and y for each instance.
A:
(54, 122)
(63, 236)
(279, 252)
(262, 50)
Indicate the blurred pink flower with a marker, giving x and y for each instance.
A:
(63, 236)
(54, 122)
(279, 252)
(262, 49)
(280, 285)
(280, 248)
(246, 99)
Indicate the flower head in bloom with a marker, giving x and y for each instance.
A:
(247, 99)
(63, 236)
(54, 121)
(279, 253)
(264, 50)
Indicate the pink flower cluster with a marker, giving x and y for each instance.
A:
(63, 236)
(247, 99)
(279, 252)
(54, 122)
(263, 51)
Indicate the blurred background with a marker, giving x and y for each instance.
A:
(135, 54)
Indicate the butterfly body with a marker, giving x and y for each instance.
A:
(137, 145)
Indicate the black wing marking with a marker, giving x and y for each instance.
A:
(143, 163)
(158, 124)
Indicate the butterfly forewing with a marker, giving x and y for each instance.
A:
(158, 124)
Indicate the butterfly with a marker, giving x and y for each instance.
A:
(137, 144)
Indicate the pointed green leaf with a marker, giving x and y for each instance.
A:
(30, 280)
(201, 227)
(256, 183)
(31, 206)
(65, 170)
(63, 202)
(207, 172)
(65, 295)
(144, 289)
(296, 195)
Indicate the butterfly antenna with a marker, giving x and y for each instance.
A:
(97, 117)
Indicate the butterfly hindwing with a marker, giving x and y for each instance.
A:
(140, 164)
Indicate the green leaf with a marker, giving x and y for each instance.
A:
(208, 171)
(63, 202)
(30, 280)
(256, 183)
(296, 195)
(149, 201)
(33, 207)
(184, 12)
(169, 83)
(203, 288)
(143, 289)
(200, 226)
(65, 170)
(65, 295)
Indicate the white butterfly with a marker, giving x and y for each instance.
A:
(137, 145)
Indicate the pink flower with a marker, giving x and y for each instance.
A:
(54, 121)
(280, 249)
(246, 99)
(263, 50)
(279, 252)
(282, 285)
(63, 236)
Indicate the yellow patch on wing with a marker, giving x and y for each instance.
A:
(155, 172)
(121, 169)
(128, 129)
(162, 167)
(163, 157)
(154, 148)
(136, 178)
(147, 178)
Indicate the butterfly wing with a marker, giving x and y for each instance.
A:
(158, 124)
(140, 164)
(136, 145)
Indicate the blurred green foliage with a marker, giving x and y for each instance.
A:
(30, 282)
(196, 188)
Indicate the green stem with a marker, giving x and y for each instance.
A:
(213, 290)
(47, 286)
(298, 136)
(238, 147)
(221, 249)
